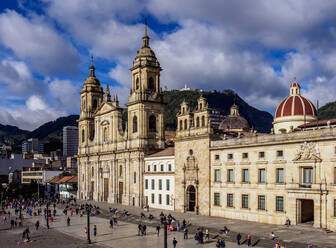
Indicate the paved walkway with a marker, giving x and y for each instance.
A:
(298, 236)
(122, 235)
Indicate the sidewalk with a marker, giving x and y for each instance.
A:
(293, 237)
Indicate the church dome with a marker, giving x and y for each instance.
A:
(234, 122)
(293, 111)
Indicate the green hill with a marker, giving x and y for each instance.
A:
(328, 111)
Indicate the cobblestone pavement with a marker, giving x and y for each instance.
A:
(11, 238)
(298, 236)
(123, 235)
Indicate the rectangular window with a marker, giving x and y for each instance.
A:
(245, 178)
(245, 155)
(229, 202)
(161, 167)
(230, 176)
(262, 176)
(244, 201)
(217, 176)
(168, 184)
(155, 167)
(153, 199)
(280, 153)
(279, 204)
(169, 167)
(153, 184)
(230, 156)
(261, 202)
(148, 168)
(160, 199)
(280, 175)
(261, 154)
(216, 157)
(146, 184)
(167, 199)
(160, 184)
(134, 177)
(308, 175)
(216, 199)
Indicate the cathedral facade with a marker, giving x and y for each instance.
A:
(111, 153)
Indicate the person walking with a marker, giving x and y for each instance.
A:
(207, 234)
(37, 224)
(68, 221)
(139, 229)
(238, 238)
(158, 230)
(185, 232)
(111, 223)
(174, 242)
(95, 230)
(249, 239)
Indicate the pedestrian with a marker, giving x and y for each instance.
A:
(223, 243)
(86, 230)
(139, 229)
(15, 223)
(158, 227)
(272, 236)
(54, 212)
(174, 243)
(178, 226)
(238, 238)
(183, 223)
(144, 227)
(20, 222)
(185, 232)
(249, 239)
(95, 230)
(68, 221)
(111, 223)
(12, 224)
(207, 234)
(37, 224)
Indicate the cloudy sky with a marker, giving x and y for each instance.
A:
(254, 47)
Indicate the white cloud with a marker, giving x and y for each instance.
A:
(34, 41)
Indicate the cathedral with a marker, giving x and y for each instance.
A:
(110, 155)
(220, 166)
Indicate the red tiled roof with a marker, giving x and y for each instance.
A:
(67, 179)
(169, 151)
(319, 123)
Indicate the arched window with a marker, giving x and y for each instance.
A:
(92, 131)
(152, 123)
(197, 121)
(94, 104)
(92, 171)
(83, 135)
(183, 110)
(181, 125)
(106, 134)
(151, 84)
(120, 170)
(200, 106)
(135, 124)
(185, 124)
(137, 83)
(203, 121)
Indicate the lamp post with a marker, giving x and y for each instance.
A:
(88, 212)
(47, 214)
(165, 243)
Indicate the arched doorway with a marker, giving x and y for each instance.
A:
(191, 198)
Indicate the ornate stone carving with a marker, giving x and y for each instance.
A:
(307, 151)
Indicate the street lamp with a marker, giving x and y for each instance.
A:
(165, 244)
(88, 212)
(47, 214)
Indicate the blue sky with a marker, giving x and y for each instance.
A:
(255, 48)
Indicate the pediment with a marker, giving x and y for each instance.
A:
(104, 108)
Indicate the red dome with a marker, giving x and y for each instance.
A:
(295, 105)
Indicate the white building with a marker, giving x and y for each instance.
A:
(159, 180)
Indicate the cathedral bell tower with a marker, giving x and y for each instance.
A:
(91, 97)
(146, 107)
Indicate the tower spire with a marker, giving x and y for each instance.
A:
(107, 94)
(92, 69)
(145, 38)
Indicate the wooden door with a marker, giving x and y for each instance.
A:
(106, 189)
(121, 192)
